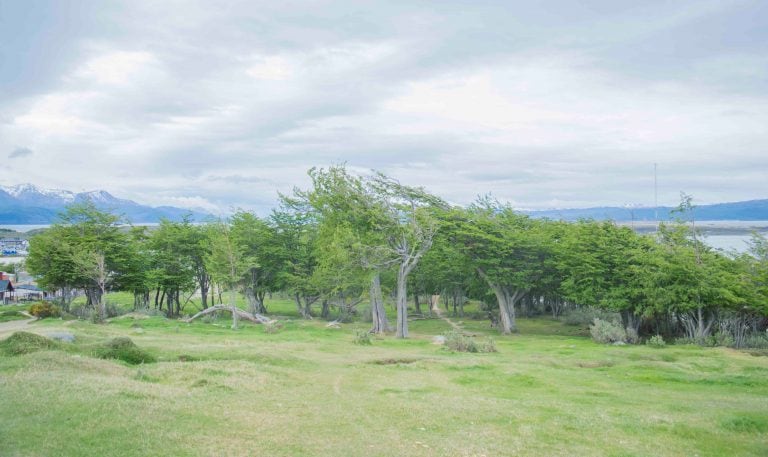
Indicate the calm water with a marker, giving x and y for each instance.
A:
(725, 242)
(737, 243)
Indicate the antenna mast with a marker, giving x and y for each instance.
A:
(655, 196)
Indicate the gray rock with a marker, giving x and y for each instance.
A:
(65, 337)
(438, 339)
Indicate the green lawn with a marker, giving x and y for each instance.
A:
(308, 390)
(13, 312)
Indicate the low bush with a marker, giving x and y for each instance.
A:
(607, 332)
(656, 341)
(363, 338)
(123, 348)
(756, 341)
(719, 339)
(682, 341)
(273, 326)
(24, 343)
(44, 309)
(457, 341)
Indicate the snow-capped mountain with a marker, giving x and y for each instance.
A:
(28, 204)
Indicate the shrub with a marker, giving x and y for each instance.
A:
(114, 310)
(632, 337)
(656, 341)
(487, 345)
(44, 309)
(607, 332)
(457, 341)
(682, 341)
(719, 339)
(273, 326)
(756, 340)
(24, 342)
(123, 348)
(363, 338)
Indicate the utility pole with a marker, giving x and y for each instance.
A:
(655, 196)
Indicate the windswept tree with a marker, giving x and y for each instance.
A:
(606, 266)
(51, 261)
(409, 226)
(226, 262)
(296, 237)
(351, 222)
(85, 249)
(264, 254)
(508, 251)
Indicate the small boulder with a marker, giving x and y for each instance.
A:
(65, 337)
(438, 339)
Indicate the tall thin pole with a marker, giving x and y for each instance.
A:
(655, 196)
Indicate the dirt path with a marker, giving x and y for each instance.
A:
(6, 328)
(437, 310)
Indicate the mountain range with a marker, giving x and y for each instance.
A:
(28, 204)
(751, 210)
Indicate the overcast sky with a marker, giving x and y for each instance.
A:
(544, 104)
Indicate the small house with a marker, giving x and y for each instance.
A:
(29, 292)
(6, 291)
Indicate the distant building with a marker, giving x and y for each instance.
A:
(13, 246)
(6, 291)
(29, 292)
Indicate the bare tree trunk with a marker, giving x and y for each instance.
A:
(255, 301)
(402, 302)
(204, 283)
(66, 297)
(325, 310)
(162, 299)
(378, 314)
(233, 304)
(416, 303)
(259, 319)
(630, 320)
(506, 304)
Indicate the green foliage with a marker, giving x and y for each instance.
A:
(24, 343)
(123, 348)
(586, 316)
(44, 309)
(607, 332)
(656, 341)
(363, 338)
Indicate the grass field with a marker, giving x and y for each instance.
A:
(308, 390)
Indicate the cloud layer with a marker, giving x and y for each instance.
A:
(560, 106)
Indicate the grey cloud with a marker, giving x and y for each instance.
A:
(20, 152)
(566, 103)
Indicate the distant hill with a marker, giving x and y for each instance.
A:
(28, 204)
(752, 210)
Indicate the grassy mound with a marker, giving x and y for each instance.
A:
(123, 348)
(24, 342)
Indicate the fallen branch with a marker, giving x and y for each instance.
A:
(257, 318)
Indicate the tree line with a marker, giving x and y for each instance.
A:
(349, 240)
